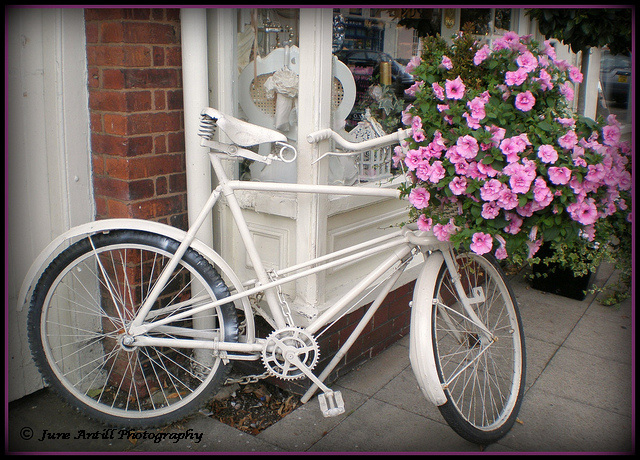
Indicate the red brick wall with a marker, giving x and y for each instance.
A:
(135, 101)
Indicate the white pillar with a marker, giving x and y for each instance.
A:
(193, 24)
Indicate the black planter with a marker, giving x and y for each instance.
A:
(558, 280)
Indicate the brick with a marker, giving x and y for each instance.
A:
(160, 100)
(138, 101)
(93, 77)
(160, 144)
(111, 32)
(158, 207)
(134, 32)
(141, 14)
(173, 56)
(178, 183)
(107, 101)
(162, 186)
(117, 208)
(175, 100)
(121, 145)
(102, 14)
(113, 79)
(158, 56)
(141, 189)
(91, 32)
(116, 124)
(131, 168)
(151, 78)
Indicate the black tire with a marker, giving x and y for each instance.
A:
(75, 328)
(483, 399)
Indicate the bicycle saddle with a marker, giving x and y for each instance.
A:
(240, 132)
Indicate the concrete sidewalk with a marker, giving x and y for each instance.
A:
(580, 397)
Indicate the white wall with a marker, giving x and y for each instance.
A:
(49, 168)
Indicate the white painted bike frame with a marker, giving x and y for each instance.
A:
(403, 245)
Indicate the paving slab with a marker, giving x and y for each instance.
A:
(552, 423)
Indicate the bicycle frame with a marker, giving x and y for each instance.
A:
(402, 243)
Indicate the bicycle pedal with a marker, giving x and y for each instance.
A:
(331, 403)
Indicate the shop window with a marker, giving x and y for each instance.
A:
(487, 22)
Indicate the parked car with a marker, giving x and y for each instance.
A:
(615, 77)
(400, 78)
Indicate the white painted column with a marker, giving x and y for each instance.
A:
(314, 113)
(193, 25)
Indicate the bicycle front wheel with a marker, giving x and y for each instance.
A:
(84, 303)
(482, 371)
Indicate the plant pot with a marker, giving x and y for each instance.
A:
(558, 280)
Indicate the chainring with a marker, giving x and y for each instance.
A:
(282, 343)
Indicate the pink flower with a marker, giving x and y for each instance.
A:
(481, 55)
(559, 176)
(584, 211)
(501, 252)
(512, 146)
(443, 232)
(442, 107)
(490, 210)
(467, 146)
(481, 243)
(477, 107)
(575, 75)
(419, 198)
(515, 223)
(416, 123)
(491, 190)
(458, 185)
(413, 159)
(611, 135)
(473, 123)
(566, 91)
(417, 86)
(398, 156)
(525, 101)
(533, 247)
(424, 223)
(545, 80)
(455, 88)
(568, 140)
(407, 118)
(413, 63)
(446, 63)
(541, 193)
(508, 199)
(438, 91)
(549, 49)
(527, 61)
(436, 172)
(547, 154)
(515, 78)
(418, 135)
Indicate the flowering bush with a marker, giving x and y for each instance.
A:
(497, 161)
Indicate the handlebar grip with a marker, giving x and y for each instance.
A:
(318, 136)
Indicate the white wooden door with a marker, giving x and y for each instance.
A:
(48, 176)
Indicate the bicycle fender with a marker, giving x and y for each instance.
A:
(421, 343)
(58, 244)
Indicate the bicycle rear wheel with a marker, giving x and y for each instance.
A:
(82, 306)
(482, 374)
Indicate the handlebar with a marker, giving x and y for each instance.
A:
(392, 138)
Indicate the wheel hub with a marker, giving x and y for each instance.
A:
(284, 348)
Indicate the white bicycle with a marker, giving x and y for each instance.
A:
(137, 323)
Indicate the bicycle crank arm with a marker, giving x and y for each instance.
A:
(331, 402)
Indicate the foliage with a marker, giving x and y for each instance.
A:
(581, 28)
(498, 162)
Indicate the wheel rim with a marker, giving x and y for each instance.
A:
(482, 374)
(82, 327)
